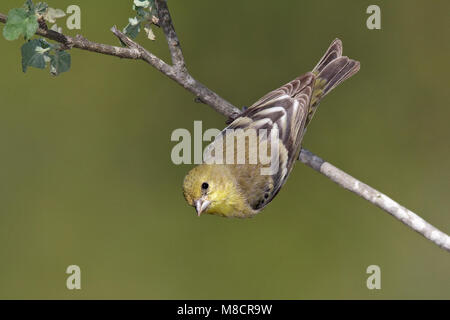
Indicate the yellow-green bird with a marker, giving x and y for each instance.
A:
(239, 189)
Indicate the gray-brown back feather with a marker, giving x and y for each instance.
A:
(285, 108)
(289, 109)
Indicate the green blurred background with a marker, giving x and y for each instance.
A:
(86, 176)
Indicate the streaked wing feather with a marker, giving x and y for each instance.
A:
(334, 51)
(285, 108)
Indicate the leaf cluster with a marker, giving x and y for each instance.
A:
(145, 16)
(37, 53)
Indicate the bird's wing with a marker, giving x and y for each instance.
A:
(285, 109)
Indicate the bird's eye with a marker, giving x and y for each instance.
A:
(205, 185)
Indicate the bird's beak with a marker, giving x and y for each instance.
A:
(201, 205)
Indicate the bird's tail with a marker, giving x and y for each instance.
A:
(331, 70)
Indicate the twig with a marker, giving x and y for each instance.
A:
(137, 52)
(179, 74)
(181, 77)
(165, 21)
(379, 199)
(80, 42)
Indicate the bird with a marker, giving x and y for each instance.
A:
(239, 188)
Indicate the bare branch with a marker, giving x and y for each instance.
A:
(377, 198)
(137, 52)
(143, 54)
(165, 20)
(80, 42)
(179, 74)
(181, 77)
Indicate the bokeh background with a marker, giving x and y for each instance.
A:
(86, 176)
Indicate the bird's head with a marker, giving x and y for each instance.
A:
(211, 189)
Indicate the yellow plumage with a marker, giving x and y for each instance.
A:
(236, 189)
(227, 198)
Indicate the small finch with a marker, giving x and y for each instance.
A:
(239, 188)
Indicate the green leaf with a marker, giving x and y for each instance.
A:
(142, 13)
(133, 28)
(60, 62)
(31, 26)
(35, 54)
(52, 14)
(20, 22)
(41, 8)
(14, 25)
(29, 5)
(141, 3)
(152, 6)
